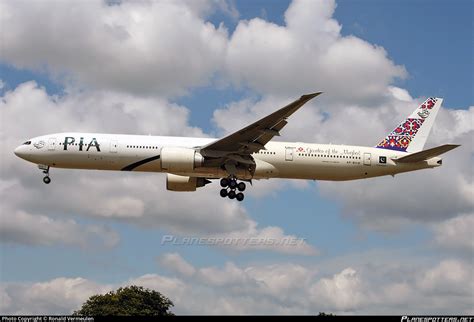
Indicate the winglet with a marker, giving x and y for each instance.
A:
(307, 97)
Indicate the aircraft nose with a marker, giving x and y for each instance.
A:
(19, 152)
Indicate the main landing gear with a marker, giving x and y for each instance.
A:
(45, 169)
(232, 189)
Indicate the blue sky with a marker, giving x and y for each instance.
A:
(431, 39)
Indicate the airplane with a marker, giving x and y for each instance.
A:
(245, 155)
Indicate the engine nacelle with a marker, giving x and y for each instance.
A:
(184, 183)
(175, 159)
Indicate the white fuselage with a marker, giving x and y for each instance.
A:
(295, 160)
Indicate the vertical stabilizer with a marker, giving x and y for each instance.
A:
(412, 133)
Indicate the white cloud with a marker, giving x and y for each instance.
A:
(400, 94)
(448, 277)
(92, 111)
(23, 228)
(130, 47)
(282, 280)
(60, 295)
(387, 203)
(230, 275)
(383, 203)
(205, 8)
(444, 287)
(143, 47)
(163, 284)
(308, 54)
(267, 238)
(455, 233)
(5, 299)
(342, 292)
(174, 262)
(125, 58)
(144, 201)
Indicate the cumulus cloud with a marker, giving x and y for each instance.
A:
(130, 47)
(308, 54)
(455, 233)
(174, 262)
(163, 284)
(120, 62)
(89, 111)
(424, 196)
(60, 295)
(383, 203)
(144, 202)
(449, 277)
(267, 238)
(144, 47)
(342, 291)
(311, 29)
(23, 228)
(279, 288)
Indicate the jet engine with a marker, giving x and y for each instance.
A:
(184, 183)
(176, 159)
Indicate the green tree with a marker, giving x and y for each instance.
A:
(130, 300)
(325, 314)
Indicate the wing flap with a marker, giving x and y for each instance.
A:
(426, 154)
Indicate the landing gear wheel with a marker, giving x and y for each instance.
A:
(240, 196)
(232, 188)
(233, 184)
(223, 193)
(47, 180)
(224, 182)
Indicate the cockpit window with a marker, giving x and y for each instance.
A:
(27, 143)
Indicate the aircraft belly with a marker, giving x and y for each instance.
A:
(99, 161)
(83, 161)
(326, 171)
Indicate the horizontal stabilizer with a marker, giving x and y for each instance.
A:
(426, 154)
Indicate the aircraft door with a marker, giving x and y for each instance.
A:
(113, 146)
(367, 159)
(289, 151)
(51, 144)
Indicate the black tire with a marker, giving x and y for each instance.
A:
(240, 196)
(223, 193)
(224, 182)
(233, 184)
(232, 194)
(47, 180)
(241, 186)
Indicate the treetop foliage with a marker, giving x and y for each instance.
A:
(130, 300)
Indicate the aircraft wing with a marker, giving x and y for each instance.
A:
(239, 145)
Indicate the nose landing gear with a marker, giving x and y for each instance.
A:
(230, 187)
(45, 169)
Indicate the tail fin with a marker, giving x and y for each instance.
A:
(411, 134)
